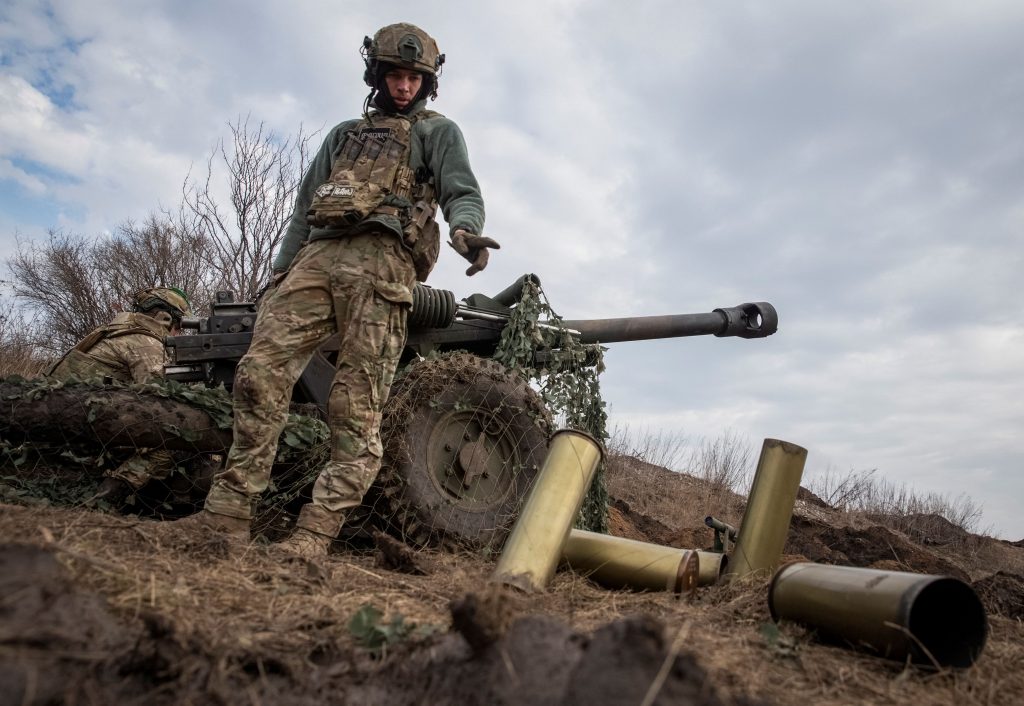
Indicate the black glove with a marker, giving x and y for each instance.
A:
(473, 248)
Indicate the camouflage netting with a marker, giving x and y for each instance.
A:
(567, 372)
(56, 440)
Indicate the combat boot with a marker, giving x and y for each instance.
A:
(307, 544)
(314, 531)
(206, 524)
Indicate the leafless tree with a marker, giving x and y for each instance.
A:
(72, 283)
(263, 173)
(58, 281)
(160, 252)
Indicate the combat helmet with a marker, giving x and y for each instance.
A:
(166, 304)
(405, 46)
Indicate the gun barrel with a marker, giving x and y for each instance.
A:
(752, 320)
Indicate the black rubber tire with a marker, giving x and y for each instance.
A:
(438, 407)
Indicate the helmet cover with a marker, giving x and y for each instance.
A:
(405, 46)
(169, 299)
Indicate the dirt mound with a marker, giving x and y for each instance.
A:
(56, 638)
(807, 496)
(636, 525)
(1002, 594)
(62, 644)
(542, 661)
(873, 546)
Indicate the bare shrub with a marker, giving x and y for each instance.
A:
(61, 285)
(710, 476)
(925, 516)
(263, 172)
(18, 354)
(662, 448)
(723, 462)
(72, 284)
(159, 252)
(843, 491)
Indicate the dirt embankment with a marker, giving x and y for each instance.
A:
(99, 609)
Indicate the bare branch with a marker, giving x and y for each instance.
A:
(263, 172)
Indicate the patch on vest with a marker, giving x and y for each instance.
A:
(381, 134)
(332, 189)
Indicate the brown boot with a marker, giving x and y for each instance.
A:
(208, 524)
(314, 531)
(306, 544)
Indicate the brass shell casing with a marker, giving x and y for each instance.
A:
(534, 547)
(765, 525)
(896, 613)
(617, 562)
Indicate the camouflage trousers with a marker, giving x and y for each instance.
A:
(359, 287)
(144, 467)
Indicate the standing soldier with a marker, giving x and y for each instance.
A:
(361, 233)
(129, 349)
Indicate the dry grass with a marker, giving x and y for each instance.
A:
(18, 353)
(712, 475)
(927, 518)
(280, 613)
(867, 492)
(263, 607)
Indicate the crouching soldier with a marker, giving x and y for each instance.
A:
(129, 349)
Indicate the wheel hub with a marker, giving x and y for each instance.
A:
(472, 458)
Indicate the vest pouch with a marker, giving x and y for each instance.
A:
(422, 237)
(76, 365)
(344, 201)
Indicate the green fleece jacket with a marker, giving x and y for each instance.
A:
(437, 145)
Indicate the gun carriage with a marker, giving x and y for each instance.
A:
(464, 436)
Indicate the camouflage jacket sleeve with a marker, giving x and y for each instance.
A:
(458, 193)
(142, 355)
(318, 172)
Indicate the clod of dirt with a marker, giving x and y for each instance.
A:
(1002, 593)
(393, 555)
(541, 661)
(55, 638)
(484, 618)
(623, 663)
(529, 665)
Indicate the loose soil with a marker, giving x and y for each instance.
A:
(97, 608)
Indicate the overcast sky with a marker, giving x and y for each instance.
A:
(859, 165)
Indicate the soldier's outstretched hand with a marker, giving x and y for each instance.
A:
(473, 248)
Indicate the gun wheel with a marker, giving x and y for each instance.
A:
(464, 438)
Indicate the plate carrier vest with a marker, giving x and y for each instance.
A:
(371, 176)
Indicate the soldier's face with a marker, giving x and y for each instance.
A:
(403, 85)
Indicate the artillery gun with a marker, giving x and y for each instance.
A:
(464, 437)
